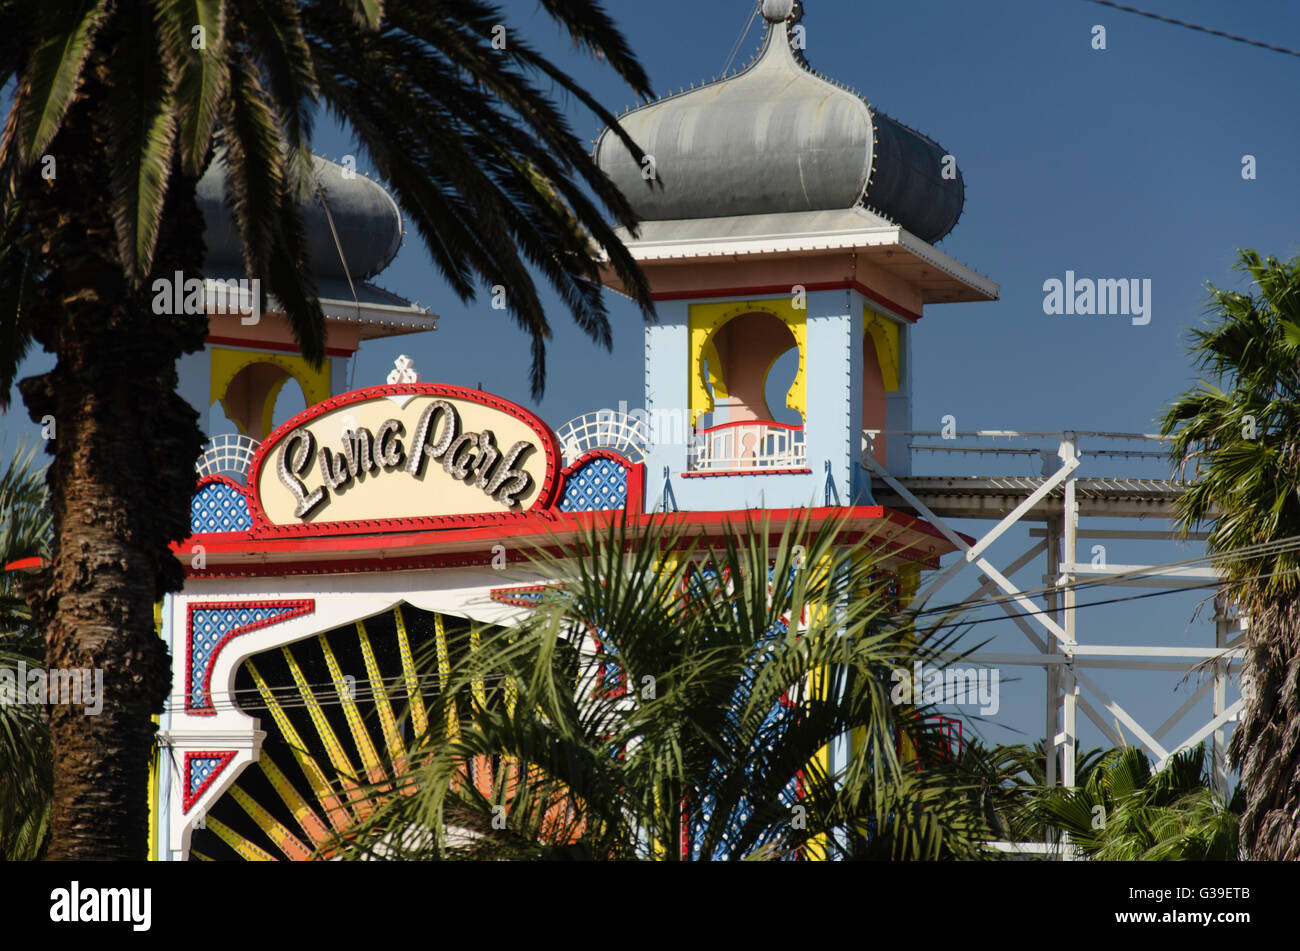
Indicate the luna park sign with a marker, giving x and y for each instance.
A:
(414, 453)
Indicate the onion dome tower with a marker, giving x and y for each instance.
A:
(782, 211)
(354, 230)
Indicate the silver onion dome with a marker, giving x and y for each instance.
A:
(367, 220)
(777, 137)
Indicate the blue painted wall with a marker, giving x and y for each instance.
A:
(833, 426)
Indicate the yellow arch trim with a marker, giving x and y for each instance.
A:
(713, 359)
(268, 408)
(225, 364)
(884, 334)
(705, 320)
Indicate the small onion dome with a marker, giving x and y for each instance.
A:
(776, 10)
(367, 220)
(776, 137)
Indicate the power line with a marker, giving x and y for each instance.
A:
(740, 39)
(1086, 604)
(288, 696)
(1278, 547)
(1131, 597)
(1194, 26)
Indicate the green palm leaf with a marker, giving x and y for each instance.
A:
(695, 745)
(141, 131)
(26, 777)
(201, 72)
(67, 32)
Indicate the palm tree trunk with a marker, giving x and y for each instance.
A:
(1266, 744)
(120, 482)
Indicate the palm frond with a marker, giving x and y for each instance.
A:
(1125, 812)
(192, 34)
(675, 694)
(261, 178)
(481, 159)
(1235, 435)
(142, 128)
(26, 781)
(66, 33)
(17, 278)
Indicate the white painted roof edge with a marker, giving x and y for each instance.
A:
(828, 240)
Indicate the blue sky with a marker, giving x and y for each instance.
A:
(1122, 163)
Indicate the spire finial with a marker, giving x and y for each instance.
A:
(774, 11)
(404, 368)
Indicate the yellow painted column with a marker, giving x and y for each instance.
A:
(152, 785)
(818, 687)
(909, 582)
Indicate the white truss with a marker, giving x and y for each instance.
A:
(1059, 497)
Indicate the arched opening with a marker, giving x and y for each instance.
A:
(289, 403)
(218, 422)
(746, 347)
(249, 384)
(883, 345)
(253, 397)
(341, 711)
(751, 363)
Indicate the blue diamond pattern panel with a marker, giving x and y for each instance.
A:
(210, 626)
(774, 725)
(612, 679)
(598, 485)
(201, 770)
(702, 813)
(219, 508)
(525, 596)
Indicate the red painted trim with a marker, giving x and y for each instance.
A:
(219, 479)
(191, 796)
(769, 423)
(434, 562)
(549, 444)
(383, 553)
(204, 539)
(538, 524)
(635, 503)
(512, 596)
(352, 566)
(636, 488)
(297, 608)
(548, 523)
(269, 345)
(784, 290)
(704, 474)
(35, 563)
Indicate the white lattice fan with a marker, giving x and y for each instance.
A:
(624, 433)
(229, 454)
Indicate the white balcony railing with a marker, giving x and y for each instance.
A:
(737, 447)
